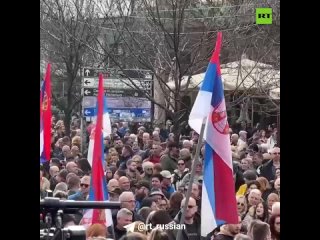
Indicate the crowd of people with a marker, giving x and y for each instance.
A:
(148, 172)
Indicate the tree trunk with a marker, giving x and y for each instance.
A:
(67, 121)
(159, 113)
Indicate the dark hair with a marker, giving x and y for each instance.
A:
(66, 139)
(56, 162)
(265, 216)
(274, 233)
(121, 173)
(129, 149)
(159, 234)
(63, 174)
(157, 175)
(144, 213)
(147, 202)
(172, 145)
(160, 217)
(84, 165)
(175, 200)
(129, 162)
(68, 218)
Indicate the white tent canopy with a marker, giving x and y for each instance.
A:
(241, 75)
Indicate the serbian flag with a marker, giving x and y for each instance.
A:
(218, 192)
(45, 117)
(106, 129)
(98, 186)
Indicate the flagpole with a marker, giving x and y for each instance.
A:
(196, 159)
(81, 110)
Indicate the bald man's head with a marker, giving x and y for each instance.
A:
(124, 183)
(72, 167)
(234, 138)
(112, 184)
(192, 208)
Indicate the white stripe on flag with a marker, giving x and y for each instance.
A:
(208, 222)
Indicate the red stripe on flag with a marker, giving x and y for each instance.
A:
(216, 54)
(226, 205)
(47, 114)
(97, 168)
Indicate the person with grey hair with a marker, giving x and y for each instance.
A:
(156, 136)
(185, 154)
(63, 187)
(145, 139)
(124, 217)
(127, 200)
(187, 144)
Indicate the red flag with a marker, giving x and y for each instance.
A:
(46, 114)
(97, 168)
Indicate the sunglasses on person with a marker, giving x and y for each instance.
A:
(84, 185)
(240, 203)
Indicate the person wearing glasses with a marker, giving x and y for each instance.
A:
(179, 174)
(268, 170)
(192, 229)
(128, 200)
(83, 192)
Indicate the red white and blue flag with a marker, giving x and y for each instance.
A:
(45, 117)
(106, 123)
(218, 204)
(98, 186)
